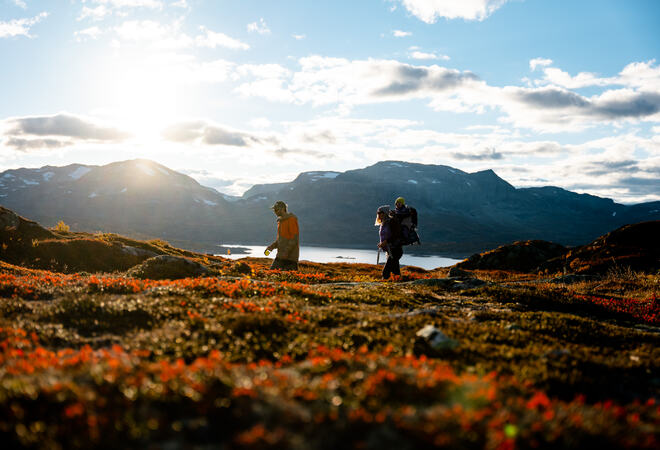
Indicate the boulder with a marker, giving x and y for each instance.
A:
(635, 247)
(168, 267)
(522, 256)
(457, 272)
(431, 341)
(16, 230)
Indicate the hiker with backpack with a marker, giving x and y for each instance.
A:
(407, 218)
(390, 240)
(287, 241)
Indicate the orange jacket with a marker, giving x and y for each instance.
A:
(287, 242)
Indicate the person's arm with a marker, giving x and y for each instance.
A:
(273, 246)
(385, 236)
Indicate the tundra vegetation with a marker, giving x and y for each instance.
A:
(325, 357)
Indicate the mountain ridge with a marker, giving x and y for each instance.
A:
(460, 213)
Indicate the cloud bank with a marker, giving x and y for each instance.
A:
(20, 27)
(57, 131)
(430, 11)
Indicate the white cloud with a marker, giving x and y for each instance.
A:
(180, 4)
(101, 9)
(546, 107)
(260, 122)
(423, 55)
(539, 62)
(152, 4)
(583, 79)
(298, 37)
(643, 75)
(97, 13)
(213, 39)
(59, 130)
(20, 27)
(323, 81)
(430, 11)
(259, 27)
(208, 133)
(88, 33)
(158, 35)
(20, 4)
(399, 33)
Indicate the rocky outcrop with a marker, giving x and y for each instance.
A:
(635, 246)
(522, 256)
(168, 267)
(15, 229)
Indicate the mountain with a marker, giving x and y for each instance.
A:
(460, 213)
(137, 197)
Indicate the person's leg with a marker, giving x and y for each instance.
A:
(397, 253)
(284, 264)
(387, 269)
(290, 265)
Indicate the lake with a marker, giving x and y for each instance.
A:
(347, 255)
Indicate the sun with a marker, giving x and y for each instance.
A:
(143, 92)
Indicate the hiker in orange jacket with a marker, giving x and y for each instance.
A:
(287, 242)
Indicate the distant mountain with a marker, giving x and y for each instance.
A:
(138, 198)
(459, 212)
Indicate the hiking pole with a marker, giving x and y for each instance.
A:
(378, 257)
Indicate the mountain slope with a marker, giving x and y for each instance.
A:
(459, 213)
(138, 197)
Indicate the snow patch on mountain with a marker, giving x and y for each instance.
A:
(145, 169)
(79, 172)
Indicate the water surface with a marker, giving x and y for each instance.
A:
(347, 255)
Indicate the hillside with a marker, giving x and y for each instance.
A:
(189, 350)
(633, 247)
(460, 213)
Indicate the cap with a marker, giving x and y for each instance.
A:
(278, 204)
(385, 209)
(400, 200)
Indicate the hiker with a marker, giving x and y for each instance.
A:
(401, 210)
(287, 242)
(389, 233)
(407, 217)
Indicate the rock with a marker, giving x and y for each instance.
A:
(449, 283)
(457, 272)
(557, 353)
(241, 268)
(14, 228)
(523, 256)
(433, 342)
(634, 247)
(135, 251)
(513, 327)
(468, 283)
(168, 267)
(572, 278)
(433, 282)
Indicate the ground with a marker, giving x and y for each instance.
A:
(328, 357)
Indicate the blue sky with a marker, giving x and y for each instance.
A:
(563, 93)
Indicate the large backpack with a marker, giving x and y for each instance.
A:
(407, 226)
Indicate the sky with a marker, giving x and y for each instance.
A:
(234, 93)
